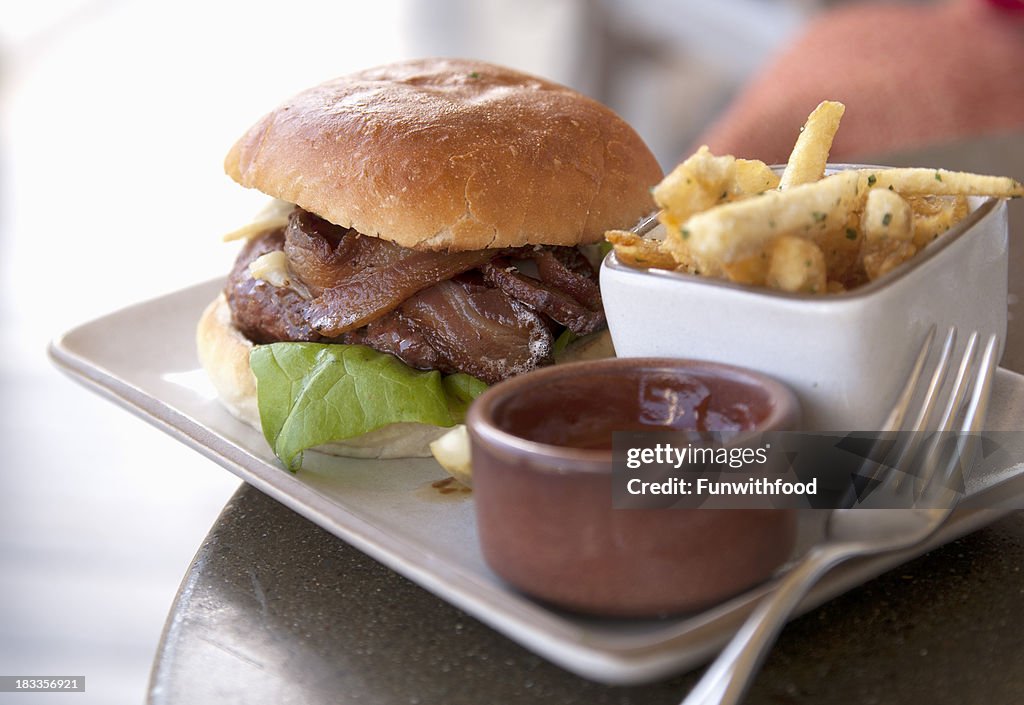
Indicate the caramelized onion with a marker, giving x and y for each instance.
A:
(357, 279)
(370, 294)
(543, 298)
(480, 330)
(566, 269)
(473, 312)
(322, 254)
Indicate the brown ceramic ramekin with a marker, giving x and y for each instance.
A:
(544, 504)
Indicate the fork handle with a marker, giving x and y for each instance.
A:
(728, 678)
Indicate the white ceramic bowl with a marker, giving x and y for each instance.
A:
(845, 355)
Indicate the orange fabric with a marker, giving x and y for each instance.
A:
(909, 76)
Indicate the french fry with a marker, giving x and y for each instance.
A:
(888, 226)
(841, 247)
(886, 256)
(797, 265)
(939, 182)
(752, 177)
(699, 183)
(695, 185)
(704, 180)
(734, 218)
(810, 153)
(742, 229)
(752, 271)
(886, 215)
(934, 215)
(637, 251)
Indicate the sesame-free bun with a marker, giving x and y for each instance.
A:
(449, 154)
(224, 354)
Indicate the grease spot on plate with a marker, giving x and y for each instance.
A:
(445, 489)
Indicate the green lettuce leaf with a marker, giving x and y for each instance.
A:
(563, 341)
(461, 389)
(311, 393)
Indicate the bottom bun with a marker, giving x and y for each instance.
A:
(224, 354)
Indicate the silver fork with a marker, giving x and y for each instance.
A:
(858, 531)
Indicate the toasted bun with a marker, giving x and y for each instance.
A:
(224, 354)
(447, 154)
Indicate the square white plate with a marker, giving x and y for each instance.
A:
(143, 358)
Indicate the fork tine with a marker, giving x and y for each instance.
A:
(908, 441)
(980, 376)
(910, 435)
(870, 468)
(935, 384)
(977, 409)
(895, 419)
(929, 464)
(959, 390)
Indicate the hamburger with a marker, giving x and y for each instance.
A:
(426, 239)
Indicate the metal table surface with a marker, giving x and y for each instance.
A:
(276, 610)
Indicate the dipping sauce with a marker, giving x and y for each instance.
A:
(582, 411)
(542, 459)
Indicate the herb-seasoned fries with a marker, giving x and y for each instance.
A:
(810, 153)
(797, 264)
(745, 228)
(934, 215)
(704, 180)
(939, 182)
(888, 228)
(638, 251)
(804, 232)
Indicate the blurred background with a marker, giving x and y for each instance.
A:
(114, 118)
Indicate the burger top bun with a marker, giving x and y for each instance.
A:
(450, 154)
